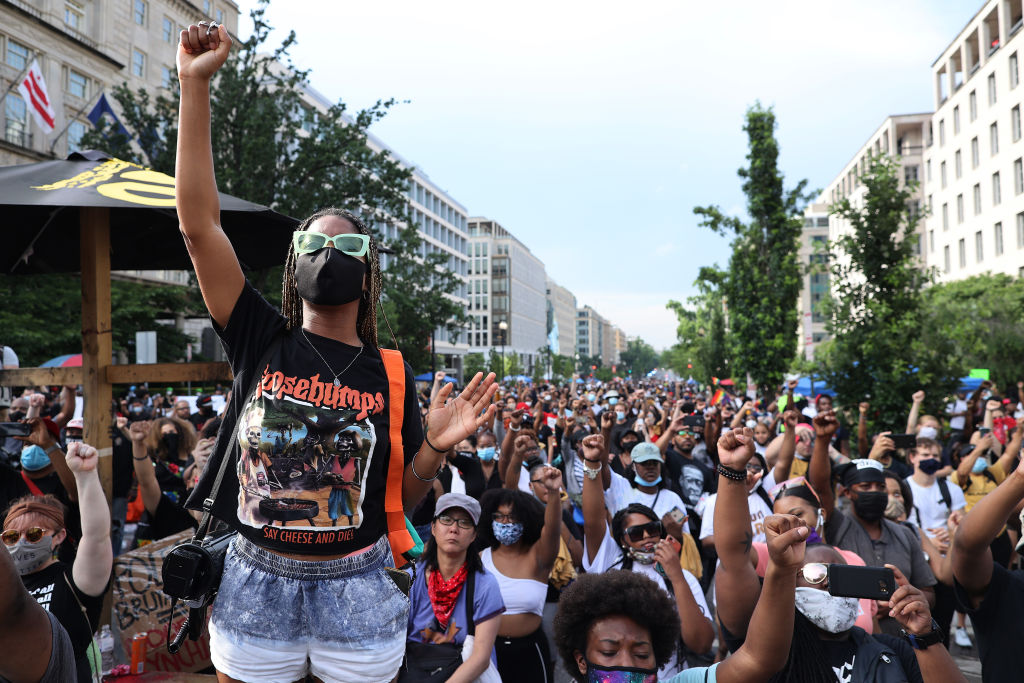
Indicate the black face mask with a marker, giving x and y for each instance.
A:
(870, 505)
(15, 415)
(329, 277)
(171, 443)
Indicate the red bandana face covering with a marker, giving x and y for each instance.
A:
(443, 594)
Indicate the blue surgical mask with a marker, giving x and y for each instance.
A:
(507, 533)
(612, 401)
(591, 397)
(980, 465)
(486, 454)
(568, 412)
(34, 459)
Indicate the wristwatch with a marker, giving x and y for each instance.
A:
(51, 449)
(925, 641)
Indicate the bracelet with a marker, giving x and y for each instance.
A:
(592, 473)
(730, 473)
(145, 457)
(412, 466)
(513, 429)
(432, 446)
(51, 449)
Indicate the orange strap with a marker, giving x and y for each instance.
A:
(398, 534)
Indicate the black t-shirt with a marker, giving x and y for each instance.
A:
(50, 589)
(692, 478)
(12, 487)
(998, 625)
(841, 655)
(170, 518)
(122, 465)
(472, 473)
(618, 429)
(311, 454)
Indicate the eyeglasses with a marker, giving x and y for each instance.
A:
(32, 535)
(502, 518)
(638, 532)
(754, 467)
(308, 241)
(814, 573)
(463, 523)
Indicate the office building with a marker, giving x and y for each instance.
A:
(814, 277)
(562, 312)
(973, 159)
(595, 337)
(508, 286)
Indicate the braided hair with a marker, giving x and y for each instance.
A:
(291, 303)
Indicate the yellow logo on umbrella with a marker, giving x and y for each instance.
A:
(122, 180)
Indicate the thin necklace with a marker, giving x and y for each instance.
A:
(337, 382)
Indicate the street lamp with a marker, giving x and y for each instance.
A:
(503, 326)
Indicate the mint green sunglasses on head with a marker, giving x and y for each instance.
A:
(353, 244)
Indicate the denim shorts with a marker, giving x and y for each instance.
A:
(275, 619)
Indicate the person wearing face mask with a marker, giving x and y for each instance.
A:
(10, 446)
(623, 463)
(35, 527)
(521, 542)
(618, 627)
(864, 529)
(636, 541)
(169, 443)
(649, 486)
(759, 503)
(623, 423)
(934, 498)
(315, 368)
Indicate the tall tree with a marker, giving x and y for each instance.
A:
(639, 358)
(702, 348)
(762, 283)
(876, 314)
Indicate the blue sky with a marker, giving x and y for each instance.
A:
(590, 130)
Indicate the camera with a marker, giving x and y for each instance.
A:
(192, 570)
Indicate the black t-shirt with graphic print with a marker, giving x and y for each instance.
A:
(311, 455)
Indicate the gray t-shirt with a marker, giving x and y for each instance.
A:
(62, 667)
(898, 545)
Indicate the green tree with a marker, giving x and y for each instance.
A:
(513, 366)
(562, 366)
(472, 364)
(762, 283)
(876, 314)
(702, 348)
(981, 317)
(638, 359)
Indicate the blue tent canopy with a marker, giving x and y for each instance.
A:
(429, 377)
(803, 386)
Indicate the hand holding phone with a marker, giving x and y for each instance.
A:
(850, 581)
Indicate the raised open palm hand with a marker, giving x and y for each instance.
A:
(449, 422)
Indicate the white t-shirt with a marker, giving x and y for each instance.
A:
(929, 506)
(621, 493)
(957, 406)
(759, 510)
(609, 556)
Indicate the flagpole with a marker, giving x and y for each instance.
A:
(72, 120)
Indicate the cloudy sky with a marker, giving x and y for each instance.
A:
(590, 130)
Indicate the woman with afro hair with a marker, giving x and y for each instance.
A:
(621, 627)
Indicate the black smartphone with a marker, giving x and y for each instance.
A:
(850, 581)
(904, 440)
(984, 430)
(15, 429)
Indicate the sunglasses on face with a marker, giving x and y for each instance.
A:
(814, 573)
(32, 535)
(638, 532)
(502, 518)
(308, 241)
(463, 523)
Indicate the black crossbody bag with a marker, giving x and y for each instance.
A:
(192, 570)
(435, 662)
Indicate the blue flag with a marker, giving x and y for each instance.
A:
(103, 107)
(553, 338)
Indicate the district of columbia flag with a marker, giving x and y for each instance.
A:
(33, 89)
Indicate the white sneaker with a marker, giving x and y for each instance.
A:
(961, 638)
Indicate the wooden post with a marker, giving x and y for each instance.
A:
(97, 341)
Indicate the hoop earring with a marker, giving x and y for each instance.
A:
(366, 295)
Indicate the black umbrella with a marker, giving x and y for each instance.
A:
(41, 202)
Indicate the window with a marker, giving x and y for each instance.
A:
(165, 77)
(959, 209)
(991, 89)
(958, 166)
(1018, 176)
(138, 64)
(963, 253)
(78, 84)
(942, 132)
(1015, 123)
(75, 132)
(997, 191)
(74, 15)
(17, 55)
(997, 238)
(1020, 230)
(942, 173)
(206, 7)
(139, 12)
(931, 241)
(956, 120)
(945, 258)
(977, 199)
(168, 30)
(993, 138)
(974, 104)
(219, 16)
(945, 216)
(928, 170)
(1014, 76)
(910, 173)
(979, 253)
(975, 154)
(16, 120)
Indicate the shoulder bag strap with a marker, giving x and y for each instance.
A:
(470, 583)
(204, 523)
(398, 535)
(36, 491)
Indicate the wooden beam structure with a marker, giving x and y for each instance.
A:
(118, 374)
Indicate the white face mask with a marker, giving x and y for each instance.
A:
(927, 433)
(28, 557)
(828, 612)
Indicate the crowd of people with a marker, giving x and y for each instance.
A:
(630, 531)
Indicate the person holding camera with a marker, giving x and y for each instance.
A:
(300, 592)
(34, 529)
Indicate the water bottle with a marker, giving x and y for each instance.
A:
(106, 641)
